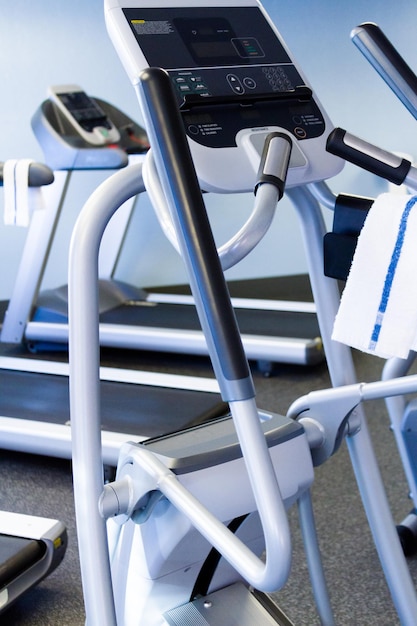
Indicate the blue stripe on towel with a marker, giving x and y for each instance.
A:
(389, 278)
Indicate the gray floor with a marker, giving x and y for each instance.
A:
(359, 594)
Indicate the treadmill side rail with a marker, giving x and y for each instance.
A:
(31, 563)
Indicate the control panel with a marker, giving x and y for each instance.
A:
(234, 80)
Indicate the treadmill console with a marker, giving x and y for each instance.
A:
(234, 80)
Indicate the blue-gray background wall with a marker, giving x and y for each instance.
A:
(45, 42)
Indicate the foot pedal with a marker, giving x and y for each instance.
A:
(231, 606)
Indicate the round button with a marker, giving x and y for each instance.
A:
(193, 129)
(300, 132)
(249, 83)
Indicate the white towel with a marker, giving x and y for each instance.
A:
(378, 309)
(9, 187)
(20, 200)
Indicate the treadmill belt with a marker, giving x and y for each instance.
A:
(293, 287)
(17, 554)
(126, 408)
(184, 317)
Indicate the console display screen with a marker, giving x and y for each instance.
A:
(214, 39)
(202, 37)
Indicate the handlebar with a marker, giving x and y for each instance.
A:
(272, 170)
(371, 158)
(181, 188)
(389, 64)
(180, 201)
(39, 175)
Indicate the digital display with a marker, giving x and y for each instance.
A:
(204, 50)
(84, 110)
(175, 38)
(208, 39)
(81, 106)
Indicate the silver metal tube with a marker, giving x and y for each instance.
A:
(315, 566)
(85, 391)
(242, 243)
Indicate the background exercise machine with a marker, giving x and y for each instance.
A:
(275, 327)
(66, 151)
(123, 26)
(30, 547)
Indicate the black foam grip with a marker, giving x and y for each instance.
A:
(367, 156)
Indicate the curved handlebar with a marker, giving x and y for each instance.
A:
(273, 170)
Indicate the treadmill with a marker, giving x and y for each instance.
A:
(30, 547)
(278, 320)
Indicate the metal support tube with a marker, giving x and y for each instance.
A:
(242, 243)
(360, 448)
(396, 406)
(318, 581)
(34, 258)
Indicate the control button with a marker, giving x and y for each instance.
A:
(297, 120)
(277, 78)
(300, 132)
(200, 87)
(193, 130)
(249, 82)
(235, 84)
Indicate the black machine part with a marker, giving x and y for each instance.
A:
(25, 561)
(39, 175)
(367, 156)
(208, 283)
(339, 245)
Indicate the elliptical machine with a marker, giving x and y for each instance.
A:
(189, 467)
(150, 496)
